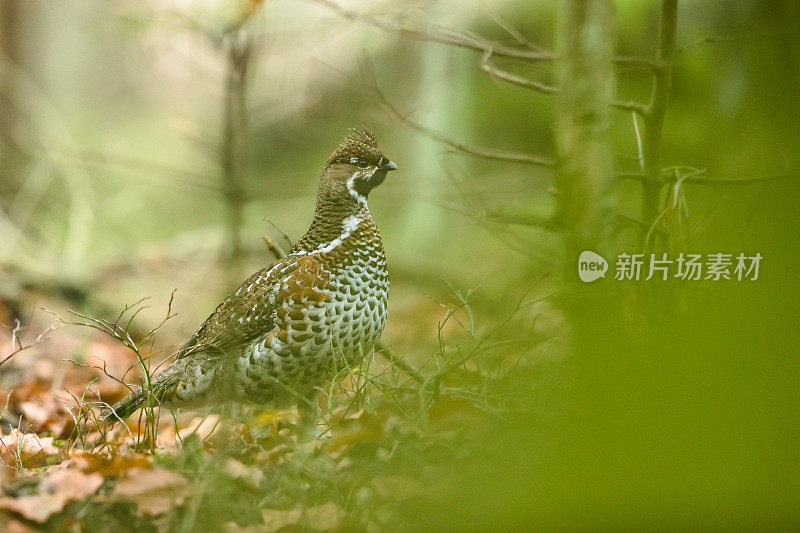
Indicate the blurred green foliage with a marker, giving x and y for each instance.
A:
(676, 407)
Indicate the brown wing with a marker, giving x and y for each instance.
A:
(245, 314)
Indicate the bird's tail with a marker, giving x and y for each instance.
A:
(133, 401)
(123, 408)
(164, 386)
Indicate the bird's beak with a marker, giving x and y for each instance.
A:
(387, 165)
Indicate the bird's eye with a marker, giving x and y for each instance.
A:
(362, 163)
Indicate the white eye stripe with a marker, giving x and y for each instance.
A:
(361, 162)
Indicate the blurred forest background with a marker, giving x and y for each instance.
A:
(148, 147)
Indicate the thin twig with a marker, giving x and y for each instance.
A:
(280, 230)
(513, 79)
(707, 180)
(439, 36)
(630, 105)
(462, 40)
(273, 247)
(15, 341)
(737, 181)
(103, 369)
(729, 39)
(525, 220)
(512, 31)
(476, 151)
(543, 88)
(401, 365)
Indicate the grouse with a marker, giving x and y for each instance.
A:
(290, 325)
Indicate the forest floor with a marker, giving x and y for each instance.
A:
(387, 432)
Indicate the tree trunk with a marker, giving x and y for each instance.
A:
(654, 118)
(585, 169)
(234, 135)
(10, 158)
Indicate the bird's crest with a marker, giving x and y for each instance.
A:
(362, 134)
(360, 142)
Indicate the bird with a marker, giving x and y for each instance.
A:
(290, 326)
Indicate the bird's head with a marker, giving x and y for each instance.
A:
(356, 167)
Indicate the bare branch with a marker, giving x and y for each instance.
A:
(512, 31)
(729, 39)
(513, 79)
(273, 247)
(16, 344)
(695, 177)
(440, 36)
(630, 105)
(524, 220)
(484, 153)
(469, 42)
(737, 181)
(401, 365)
(284, 235)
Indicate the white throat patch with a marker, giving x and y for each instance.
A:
(351, 187)
(349, 225)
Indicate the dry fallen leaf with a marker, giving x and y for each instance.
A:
(155, 490)
(105, 464)
(53, 493)
(275, 519)
(118, 358)
(35, 413)
(170, 439)
(275, 454)
(322, 517)
(233, 527)
(29, 449)
(202, 427)
(249, 474)
(15, 526)
(46, 415)
(318, 518)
